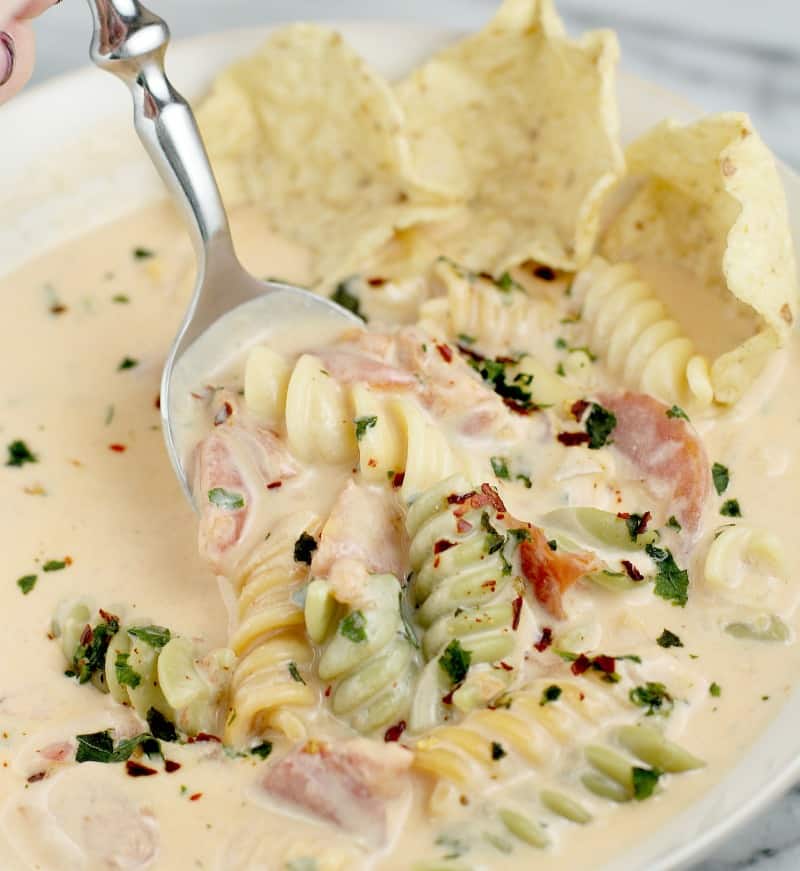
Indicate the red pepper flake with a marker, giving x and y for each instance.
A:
(516, 611)
(489, 585)
(86, 635)
(442, 545)
(436, 562)
(157, 402)
(398, 479)
(486, 276)
(327, 691)
(633, 573)
(581, 664)
(224, 412)
(393, 733)
(578, 408)
(519, 407)
(376, 281)
(505, 666)
(170, 766)
(372, 462)
(487, 496)
(35, 778)
(58, 308)
(571, 439)
(545, 273)
(67, 560)
(136, 769)
(274, 485)
(545, 641)
(117, 448)
(445, 352)
(604, 663)
(203, 736)
(106, 615)
(195, 796)
(463, 526)
(448, 699)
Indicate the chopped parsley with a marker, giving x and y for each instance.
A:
(346, 299)
(653, 696)
(731, 508)
(599, 425)
(26, 583)
(90, 654)
(520, 533)
(644, 781)
(304, 548)
(54, 565)
(506, 282)
(676, 412)
(127, 363)
(550, 694)
(494, 372)
(227, 500)
(363, 424)
(672, 582)
(715, 690)
(498, 752)
(500, 467)
(295, 673)
(637, 524)
(262, 750)
(466, 340)
(552, 544)
(160, 726)
(455, 661)
(354, 627)
(99, 747)
(19, 454)
(494, 541)
(525, 480)
(127, 676)
(721, 476)
(560, 370)
(156, 636)
(668, 639)
(561, 344)
(674, 523)
(143, 253)
(121, 298)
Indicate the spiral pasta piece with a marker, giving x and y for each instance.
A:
(387, 434)
(640, 342)
(367, 654)
(465, 592)
(269, 688)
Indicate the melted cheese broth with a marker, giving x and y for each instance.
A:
(103, 494)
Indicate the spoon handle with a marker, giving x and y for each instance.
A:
(130, 41)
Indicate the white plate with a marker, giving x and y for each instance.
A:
(71, 162)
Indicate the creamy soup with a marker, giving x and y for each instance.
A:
(424, 651)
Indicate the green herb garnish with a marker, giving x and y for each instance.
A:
(26, 583)
(19, 454)
(304, 548)
(673, 523)
(143, 253)
(348, 300)
(227, 500)
(354, 627)
(721, 476)
(262, 750)
(127, 363)
(127, 676)
(54, 565)
(644, 781)
(525, 480)
(121, 298)
(653, 696)
(99, 747)
(295, 673)
(90, 654)
(455, 661)
(363, 424)
(672, 582)
(731, 508)
(668, 639)
(500, 467)
(677, 412)
(550, 694)
(715, 690)
(494, 541)
(498, 751)
(160, 726)
(156, 636)
(599, 425)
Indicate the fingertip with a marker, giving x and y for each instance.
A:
(17, 54)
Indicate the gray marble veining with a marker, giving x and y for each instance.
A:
(721, 54)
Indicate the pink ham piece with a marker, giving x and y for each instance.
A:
(666, 450)
(367, 525)
(238, 456)
(344, 785)
(552, 572)
(354, 367)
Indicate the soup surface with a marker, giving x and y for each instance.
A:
(605, 631)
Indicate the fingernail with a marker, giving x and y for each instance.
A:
(7, 55)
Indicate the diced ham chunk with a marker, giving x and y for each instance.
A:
(366, 524)
(353, 367)
(343, 785)
(240, 457)
(666, 450)
(552, 572)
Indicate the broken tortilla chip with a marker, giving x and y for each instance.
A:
(709, 230)
(521, 123)
(305, 130)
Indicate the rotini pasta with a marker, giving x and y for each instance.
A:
(636, 337)
(269, 688)
(330, 422)
(367, 653)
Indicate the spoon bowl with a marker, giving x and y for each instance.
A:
(230, 309)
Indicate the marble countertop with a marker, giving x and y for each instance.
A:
(721, 54)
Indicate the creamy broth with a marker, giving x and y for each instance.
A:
(102, 499)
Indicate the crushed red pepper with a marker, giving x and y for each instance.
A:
(442, 545)
(578, 408)
(571, 439)
(633, 573)
(445, 352)
(393, 733)
(273, 485)
(117, 448)
(545, 641)
(170, 766)
(516, 611)
(136, 769)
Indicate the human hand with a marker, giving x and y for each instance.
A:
(17, 50)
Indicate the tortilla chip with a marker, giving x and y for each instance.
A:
(712, 206)
(522, 122)
(308, 132)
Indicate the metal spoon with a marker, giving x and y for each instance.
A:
(230, 308)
